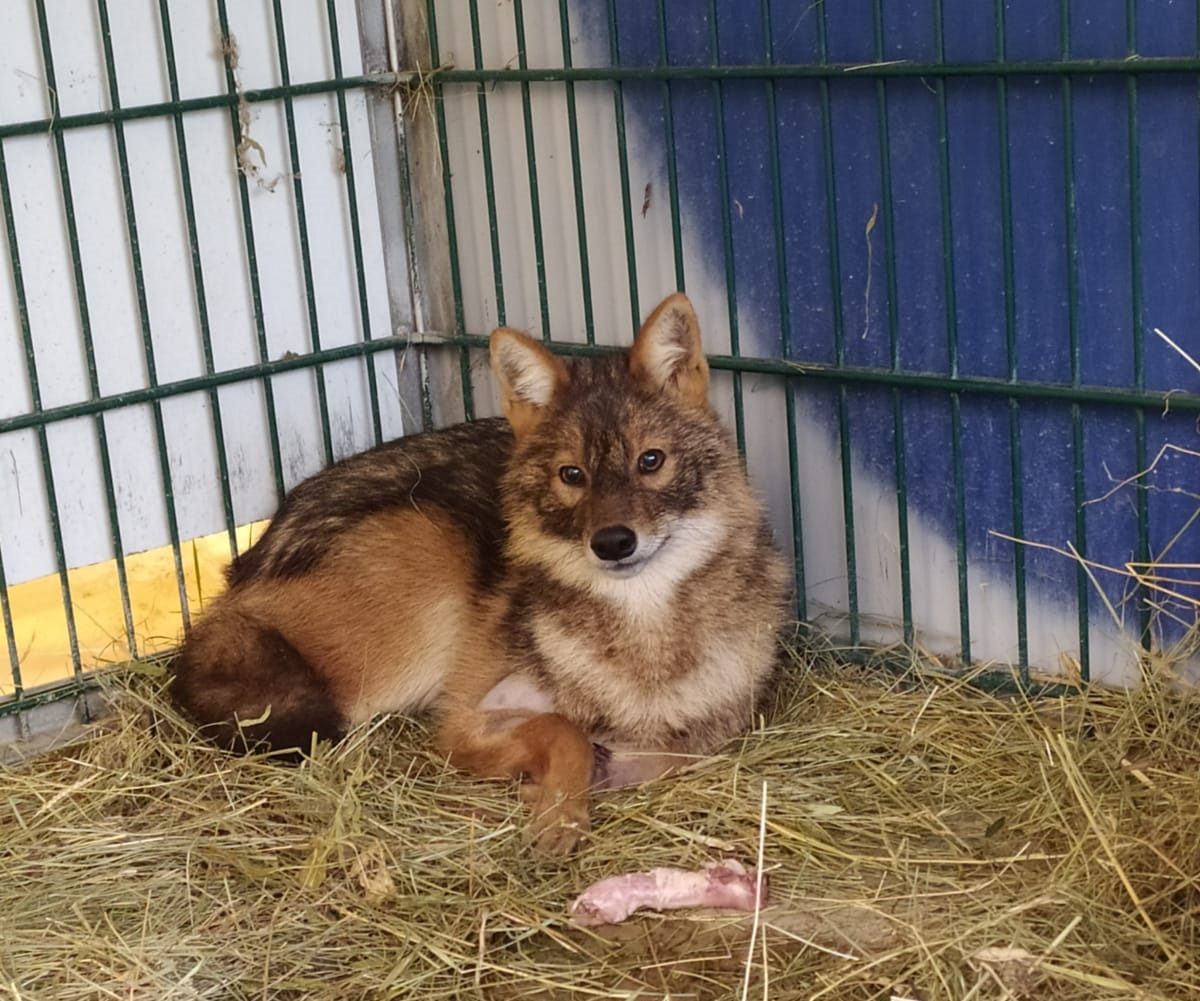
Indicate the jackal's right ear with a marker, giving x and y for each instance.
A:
(528, 374)
(668, 353)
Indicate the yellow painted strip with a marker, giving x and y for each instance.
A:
(40, 623)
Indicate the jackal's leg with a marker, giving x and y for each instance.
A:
(548, 753)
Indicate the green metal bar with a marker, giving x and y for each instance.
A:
(489, 179)
(1082, 589)
(843, 412)
(785, 322)
(1010, 339)
(1083, 592)
(1141, 459)
(585, 277)
(1145, 400)
(889, 258)
(60, 153)
(1020, 583)
(903, 546)
(958, 470)
(669, 141)
(14, 257)
(456, 286)
(10, 634)
(167, 109)
(31, 699)
(839, 340)
(310, 295)
(408, 201)
(139, 285)
(202, 315)
(227, 377)
(446, 76)
(726, 210)
(825, 70)
(264, 354)
(535, 203)
(623, 168)
(347, 165)
(951, 299)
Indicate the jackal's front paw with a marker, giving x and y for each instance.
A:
(557, 823)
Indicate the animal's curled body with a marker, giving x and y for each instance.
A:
(592, 569)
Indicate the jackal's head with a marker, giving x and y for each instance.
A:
(621, 469)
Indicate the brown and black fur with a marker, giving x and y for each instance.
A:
(594, 569)
(237, 667)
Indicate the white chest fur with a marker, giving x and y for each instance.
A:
(638, 701)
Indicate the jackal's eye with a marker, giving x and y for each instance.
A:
(572, 476)
(651, 461)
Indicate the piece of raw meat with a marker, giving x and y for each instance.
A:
(724, 884)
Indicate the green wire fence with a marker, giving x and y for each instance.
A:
(428, 184)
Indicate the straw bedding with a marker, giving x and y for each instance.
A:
(923, 840)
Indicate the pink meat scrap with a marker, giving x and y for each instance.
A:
(724, 884)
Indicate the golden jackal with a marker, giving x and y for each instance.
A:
(585, 592)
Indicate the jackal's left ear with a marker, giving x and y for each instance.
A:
(528, 374)
(668, 354)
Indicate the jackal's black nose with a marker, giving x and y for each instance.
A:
(614, 542)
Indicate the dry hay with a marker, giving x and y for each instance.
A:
(924, 841)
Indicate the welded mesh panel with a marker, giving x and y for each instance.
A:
(194, 312)
(930, 248)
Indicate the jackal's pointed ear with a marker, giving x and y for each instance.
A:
(528, 375)
(668, 354)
